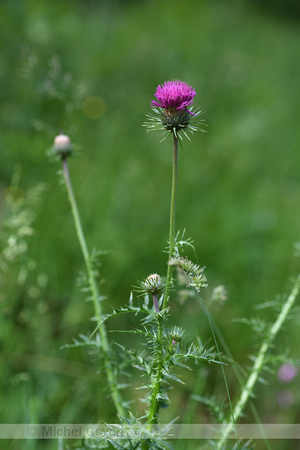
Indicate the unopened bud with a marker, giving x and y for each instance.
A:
(177, 334)
(62, 146)
(154, 284)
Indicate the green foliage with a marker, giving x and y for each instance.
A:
(16, 230)
(217, 407)
(240, 196)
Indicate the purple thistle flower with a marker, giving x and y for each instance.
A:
(174, 95)
(170, 110)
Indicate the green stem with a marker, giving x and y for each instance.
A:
(111, 378)
(154, 404)
(172, 218)
(156, 379)
(259, 362)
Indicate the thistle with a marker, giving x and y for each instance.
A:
(173, 113)
(195, 272)
(176, 334)
(153, 285)
(62, 146)
(170, 111)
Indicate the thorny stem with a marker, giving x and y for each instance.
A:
(154, 404)
(259, 362)
(111, 378)
(172, 218)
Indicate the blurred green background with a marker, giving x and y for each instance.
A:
(90, 68)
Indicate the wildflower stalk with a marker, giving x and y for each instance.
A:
(172, 218)
(111, 378)
(170, 113)
(154, 404)
(259, 363)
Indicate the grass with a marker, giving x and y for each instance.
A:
(238, 184)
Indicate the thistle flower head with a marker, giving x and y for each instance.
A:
(170, 109)
(62, 146)
(154, 284)
(174, 95)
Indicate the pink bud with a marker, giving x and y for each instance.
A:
(62, 146)
(62, 141)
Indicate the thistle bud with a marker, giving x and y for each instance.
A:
(176, 334)
(154, 284)
(62, 146)
(195, 272)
